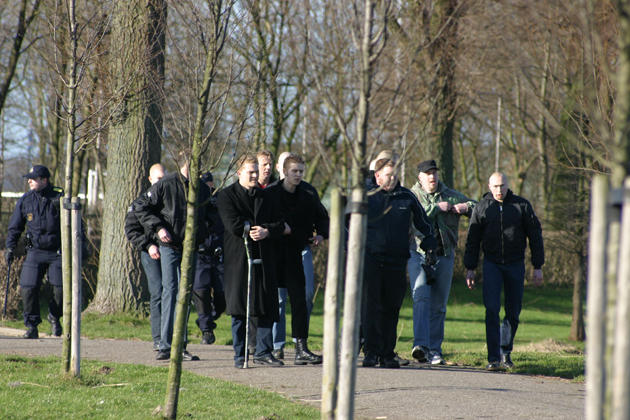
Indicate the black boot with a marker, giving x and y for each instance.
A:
(303, 355)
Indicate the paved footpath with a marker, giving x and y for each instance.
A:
(418, 391)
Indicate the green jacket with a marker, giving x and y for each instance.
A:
(446, 223)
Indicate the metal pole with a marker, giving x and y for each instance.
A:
(596, 300)
(75, 346)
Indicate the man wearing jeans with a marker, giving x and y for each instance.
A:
(163, 212)
(149, 257)
(444, 207)
(501, 225)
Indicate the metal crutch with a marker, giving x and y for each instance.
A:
(250, 271)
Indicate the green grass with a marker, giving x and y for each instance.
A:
(33, 388)
(541, 345)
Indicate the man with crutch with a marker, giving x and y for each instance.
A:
(244, 201)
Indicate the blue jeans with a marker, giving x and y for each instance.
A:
(280, 327)
(429, 302)
(500, 338)
(153, 271)
(264, 339)
(171, 273)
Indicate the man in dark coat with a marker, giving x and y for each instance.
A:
(502, 224)
(299, 208)
(240, 202)
(390, 210)
(162, 211)
(38, 213)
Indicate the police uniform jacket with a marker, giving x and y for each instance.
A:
(389, 216)
(164, 206)
(39, 213)
(502, 230)
(213, 242)
(237, 205)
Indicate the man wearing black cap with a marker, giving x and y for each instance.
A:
(444, 207)
(208, 291)
(38, 212)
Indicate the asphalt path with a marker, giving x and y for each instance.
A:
(418, 391)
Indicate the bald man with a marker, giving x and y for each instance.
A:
(147, 244)
(501, 225)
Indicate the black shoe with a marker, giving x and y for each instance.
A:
(493, 367)
(163, 355)
(278, 353)
(506, 361)
(31, 333)
(370, 360)
(303, 355)
(187, 357)
(268, 361)
(208, 338)
(55, 325)
(238, 363)
(401, 361)
(389, 363)
(420, 353)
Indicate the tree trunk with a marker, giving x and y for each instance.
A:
(134, 145)
(577, 320)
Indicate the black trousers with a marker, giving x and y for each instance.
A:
(290, 273)
(35, 266)
(383, 294)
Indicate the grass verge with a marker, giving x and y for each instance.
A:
(33, 388)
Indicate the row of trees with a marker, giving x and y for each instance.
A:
(448, 79)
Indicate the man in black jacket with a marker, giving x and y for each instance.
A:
(38, 213)
(147, 244)
(501, 224)
(244, 201)
(390, 209)
(300, 210)
(163, 212)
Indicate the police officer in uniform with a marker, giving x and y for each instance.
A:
(38, 211)
(208, 291)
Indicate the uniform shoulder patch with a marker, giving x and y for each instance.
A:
(57, 189)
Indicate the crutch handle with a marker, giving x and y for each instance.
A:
(246, 227)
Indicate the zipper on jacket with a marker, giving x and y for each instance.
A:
(502, 247)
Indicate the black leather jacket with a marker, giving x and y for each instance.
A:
(502, 231)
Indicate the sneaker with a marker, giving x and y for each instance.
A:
(420, 353)
(370, 360)
(208, 338)
(493, 367)
(389, 363)
(156, 346)
(163, 355)
(55, 325)
(506, 361)
(187, 357)
(401, 361)
(31, 333)
(278, 353)
(436, 359)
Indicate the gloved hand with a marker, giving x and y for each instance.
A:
(430, 257)
(8, 256)
(429, 272)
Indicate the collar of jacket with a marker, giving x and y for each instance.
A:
(489, 197)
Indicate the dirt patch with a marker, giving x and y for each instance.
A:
(550, 346)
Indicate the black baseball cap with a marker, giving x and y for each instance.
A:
(426, 165)
(207, 177)
(38, 171)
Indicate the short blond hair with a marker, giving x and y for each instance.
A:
(292, 159)
(383, 163)
(245, 159)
